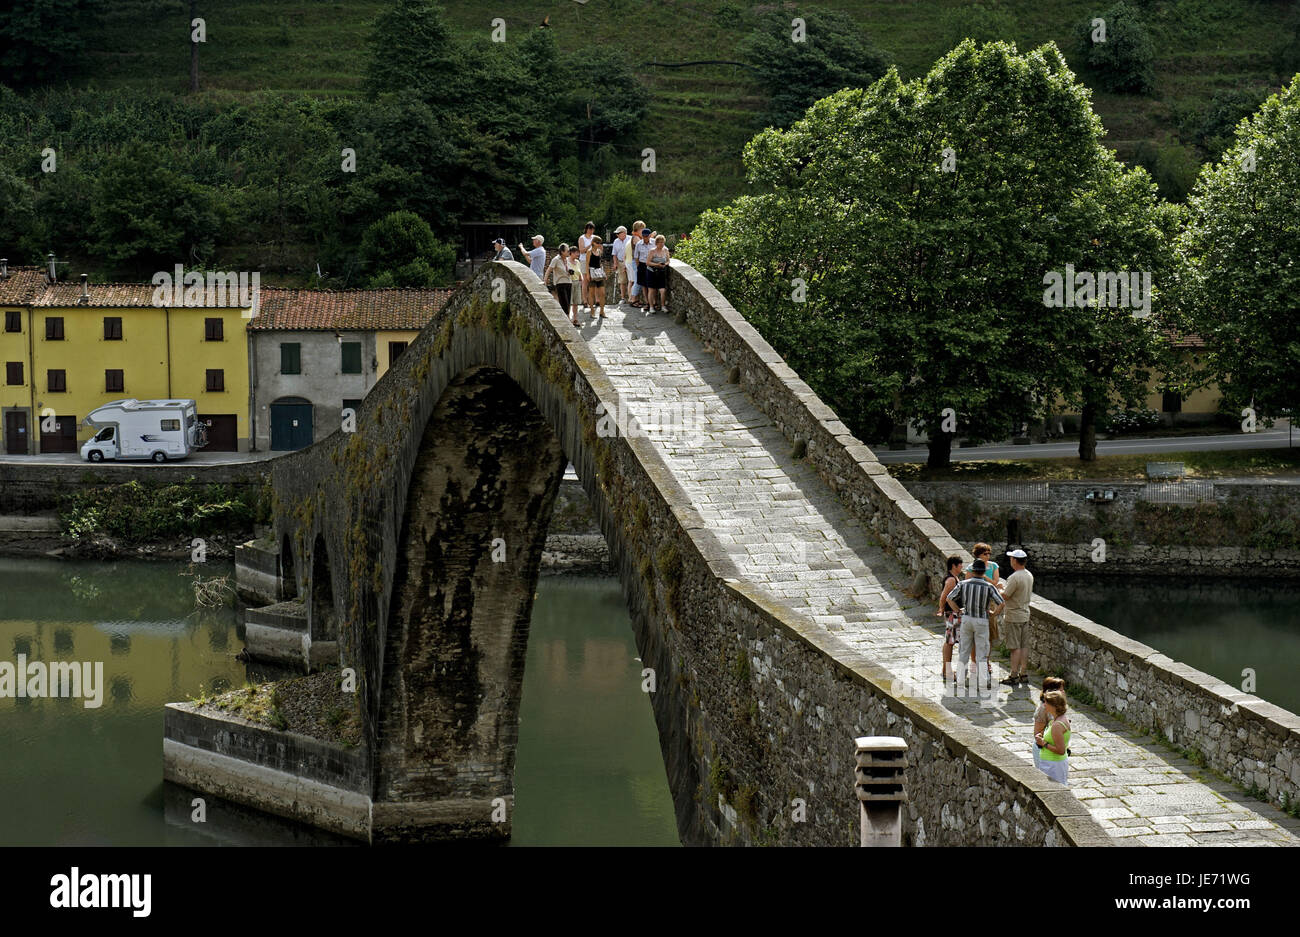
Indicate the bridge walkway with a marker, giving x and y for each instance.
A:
(789, 533)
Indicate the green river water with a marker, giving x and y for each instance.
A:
(589, 769)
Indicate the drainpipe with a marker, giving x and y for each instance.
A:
(31, 385)
(252, 388)
(167, 319)
(881, 789)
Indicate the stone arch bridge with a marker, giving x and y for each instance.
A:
(781, 586)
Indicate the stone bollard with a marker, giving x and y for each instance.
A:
(881, 788)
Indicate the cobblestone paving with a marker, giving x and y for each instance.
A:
(788, 532)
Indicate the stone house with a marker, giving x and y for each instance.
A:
(313, 353)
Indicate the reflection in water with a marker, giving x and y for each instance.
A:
(589, 767)
(1218, 626)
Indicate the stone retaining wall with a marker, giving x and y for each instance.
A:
(1242, 527)
(29, 488)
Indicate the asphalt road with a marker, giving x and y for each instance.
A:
(1262, 439)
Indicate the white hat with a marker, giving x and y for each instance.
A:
(538, 237)
(620, 230)
(1019, 554)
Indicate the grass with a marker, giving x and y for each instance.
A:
(700, 117)
(1252, 463)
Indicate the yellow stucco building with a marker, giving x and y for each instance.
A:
(73, 347)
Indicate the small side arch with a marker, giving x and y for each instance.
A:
(322, 616)
(288, 575)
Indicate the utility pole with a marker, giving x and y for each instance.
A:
(194, 50)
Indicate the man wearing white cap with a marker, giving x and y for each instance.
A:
(1017, 595)
(536, 256)
(619, 248)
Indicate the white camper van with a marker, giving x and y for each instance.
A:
(144, 429)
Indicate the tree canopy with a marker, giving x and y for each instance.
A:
(831, 53)
(1242, 247)
(918, 220)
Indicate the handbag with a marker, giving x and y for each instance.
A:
(596, 273)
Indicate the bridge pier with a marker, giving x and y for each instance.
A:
(469, 555)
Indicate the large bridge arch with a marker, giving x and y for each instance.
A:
(455, 464)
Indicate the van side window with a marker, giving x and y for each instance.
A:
(170, 426)
(104, 434)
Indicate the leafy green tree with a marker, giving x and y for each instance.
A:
(146, 214)
(916, 221)
(834, 53)
(20, 224)
(43, 40)
(1242, 247)
(412, 47)
(288, 160)
(982, 22)
(1113, 350)
(400, 250)
(623, 199)
(1125, 61)
(1214, 132)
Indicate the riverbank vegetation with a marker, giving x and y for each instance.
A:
(315, 706)
(139, 512)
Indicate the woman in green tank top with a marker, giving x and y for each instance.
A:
(1054, 741)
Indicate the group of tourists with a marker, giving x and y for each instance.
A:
(979, 606)
(579, 274)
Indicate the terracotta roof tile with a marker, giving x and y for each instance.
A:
(68, 293)
(363, 310)
(21, 285)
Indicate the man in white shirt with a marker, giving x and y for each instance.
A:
(619, 248)
(640, 252)
(1018, 593)
(536, 256)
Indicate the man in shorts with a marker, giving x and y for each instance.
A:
(1017, 594)
(979, 598)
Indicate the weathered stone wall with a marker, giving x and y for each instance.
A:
(1239, 735)
(1243, 528)
(755, 705)
(29, 488)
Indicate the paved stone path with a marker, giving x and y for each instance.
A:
(786, 530)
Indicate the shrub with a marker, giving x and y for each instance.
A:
(138, 513)
(1124, 62)
(1130, 421)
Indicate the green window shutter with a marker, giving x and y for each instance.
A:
(351, 357)
(290, 358)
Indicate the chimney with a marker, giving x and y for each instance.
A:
(53, 276)
(4, 268)
(85, 290)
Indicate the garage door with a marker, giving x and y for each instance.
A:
(291, 424)
(223, 431)
(64, 437)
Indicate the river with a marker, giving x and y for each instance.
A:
(1220, 626)
(589, 769)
